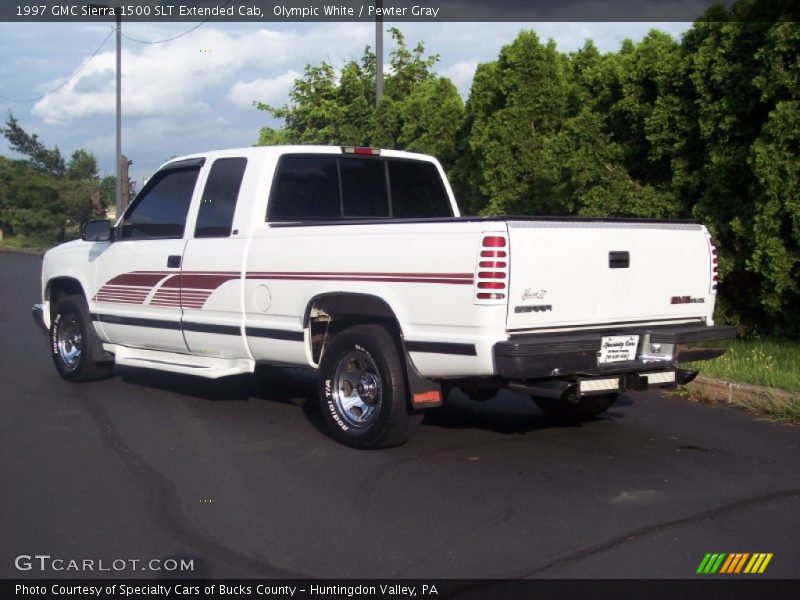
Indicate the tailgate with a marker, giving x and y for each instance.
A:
(570, 273)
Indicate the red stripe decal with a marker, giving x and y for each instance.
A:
(199, 281)
(364, 274)
(142, 279)
(386, 278)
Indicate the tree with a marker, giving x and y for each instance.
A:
(40, 157)
(515, 105)
(41, 194)
(82, 166)
(29, 200)
(419, 111)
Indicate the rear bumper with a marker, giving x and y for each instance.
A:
(575, 353)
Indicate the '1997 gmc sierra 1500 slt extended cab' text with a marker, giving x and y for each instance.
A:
(356, 262)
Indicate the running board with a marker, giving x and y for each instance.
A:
(173, 362)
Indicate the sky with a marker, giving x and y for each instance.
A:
(196, 92)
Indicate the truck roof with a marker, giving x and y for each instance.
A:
(260, 151)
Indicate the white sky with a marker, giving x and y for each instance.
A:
(196, 92)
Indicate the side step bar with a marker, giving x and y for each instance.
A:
(203, 366)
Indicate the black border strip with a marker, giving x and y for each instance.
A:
(275, 334)
(212, 328)
(442, 348)
(136, 321)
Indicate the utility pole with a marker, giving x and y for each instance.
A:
(125, 180)
(378, 52)
(120, 207)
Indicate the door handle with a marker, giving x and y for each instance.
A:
(174, 261)
(619, 259)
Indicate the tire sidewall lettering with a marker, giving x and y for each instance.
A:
(54, 334)
(335, 416)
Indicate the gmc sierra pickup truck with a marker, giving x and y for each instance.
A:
(355, 262)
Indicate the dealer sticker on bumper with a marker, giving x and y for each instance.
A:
(618, 348)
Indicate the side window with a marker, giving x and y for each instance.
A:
(215, 215)
(363, 188)
(160, 209)
(417, 190)
(305, 187)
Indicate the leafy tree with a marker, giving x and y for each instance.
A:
(82, 166)
(419, 111)
(40, 157)
(41, 194)
(29, 199)
(516, 104)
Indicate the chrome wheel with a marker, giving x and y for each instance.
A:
(69, 342)
(357, 389)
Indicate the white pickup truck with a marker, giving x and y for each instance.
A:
(356, 262)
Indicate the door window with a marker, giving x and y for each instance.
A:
(159, 211)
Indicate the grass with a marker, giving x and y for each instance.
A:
(771, 363)
(31, 243)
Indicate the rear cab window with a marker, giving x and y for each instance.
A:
(313, 187)
(221, 192)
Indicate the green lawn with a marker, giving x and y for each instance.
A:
(38, 242)
(773, 363)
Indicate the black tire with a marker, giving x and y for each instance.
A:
(587, 408)
(72, 339)
(362, 389)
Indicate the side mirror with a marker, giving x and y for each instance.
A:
(97, 231)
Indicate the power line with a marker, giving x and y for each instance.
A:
(174, 37)
(74, 74)
(97, 51)
(164, 41)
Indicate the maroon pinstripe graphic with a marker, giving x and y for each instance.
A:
(138, 278)
(364, 274)
(445, 278)
(204, 281)
(192, 289)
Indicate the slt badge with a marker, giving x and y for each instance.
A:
(532, 294)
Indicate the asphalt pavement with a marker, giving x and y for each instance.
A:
(239, 477)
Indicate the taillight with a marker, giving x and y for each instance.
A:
(491, 274)
(493, 253)
(714, 265)
(494, 241)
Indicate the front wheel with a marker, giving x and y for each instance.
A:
(583, 410)
(362, 389)
(71, 339)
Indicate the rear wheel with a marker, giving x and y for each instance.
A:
(362, 389)
(72, 338)
(586, 408)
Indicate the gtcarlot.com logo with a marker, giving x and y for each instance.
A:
(734, 563)
(46, 562)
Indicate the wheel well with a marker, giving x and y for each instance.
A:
(62, 286)
(328, 314)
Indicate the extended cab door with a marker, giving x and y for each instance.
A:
(137, 291)
(211, 278)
